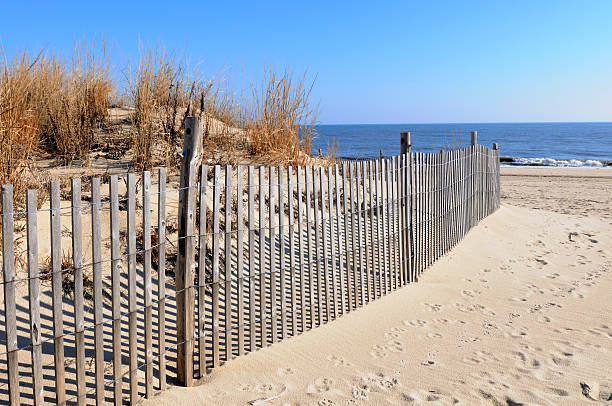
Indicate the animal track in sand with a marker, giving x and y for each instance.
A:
(470, 293)
(434, 335)
(475, 308)
(383, 350)
(480, 357)
(433, 307)
(338, 361)
(380, 380)
(320, 385)
(416, 323)
(285, 371)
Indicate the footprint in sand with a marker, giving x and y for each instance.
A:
(380, 380)
(285, 371)
(320, 385)
(416, 323)
(338, 361)
(470, 293)
(434, 335)
(433, 307)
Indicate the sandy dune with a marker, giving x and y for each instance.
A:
(519, 313)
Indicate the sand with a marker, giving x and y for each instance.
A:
(517, 313)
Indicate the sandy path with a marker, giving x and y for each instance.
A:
(516, 314)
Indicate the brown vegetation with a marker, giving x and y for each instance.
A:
(57, 108)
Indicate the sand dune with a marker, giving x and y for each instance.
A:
(517, 314)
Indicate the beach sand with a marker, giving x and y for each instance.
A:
(517, 313)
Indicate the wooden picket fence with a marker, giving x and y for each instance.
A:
(257, 255)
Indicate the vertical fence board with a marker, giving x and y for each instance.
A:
(115, 281)
(340, 308)
(96, 255)
(77, 263)
(34, 296)
(332, 220)
(227, 291)
(272, 188)
(161, 276)
(132, 315)
(263, 326)
(299, 180)
(148, 284)
(10, 307)
(310, 264)
(347, 276)
(216, 323)
(56, 287)
(317, 257)
(281, 249)
(326, 257)
(252, 262)
(240, 255)
(202, 284)
(292, 265)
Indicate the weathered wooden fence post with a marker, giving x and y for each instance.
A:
(184, 268)
(473, 137)
(405, 145)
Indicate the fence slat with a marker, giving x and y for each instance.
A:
(132, 310)
(215, 269)
(252, 267)
(332, 305)
(340, 308)
(56, 287)
(292, 265)
(77, 263)
(161, 276)
(367, 240)
(272, 188)
(326, 256)
(345, 218)
(34, 297)
(227, 291)
(147, 282)
(263, 326)
(310, 262)
(281, 250)
(299, 180)
(202, 282)
(10, 307)
(115, 281)
(316, 234)
(96, 255)
(240, 256)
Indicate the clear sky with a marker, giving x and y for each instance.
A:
(375, 62)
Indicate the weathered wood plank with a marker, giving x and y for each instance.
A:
(132, 298)
(202, 283)
(227, 290)
(10, 308)
(56, 287)
(96, 256)
(281, 248)
(77, 263)
(272, 188)
(293, 280)
(34, 297)
(161, 276)
(113, 191)
(240, 254)
(252, 262)
(300, 216)
(216, 322)
(147, 282)
(263, 316)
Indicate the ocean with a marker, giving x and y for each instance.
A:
(527, 144)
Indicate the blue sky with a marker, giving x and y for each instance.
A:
(374, 62)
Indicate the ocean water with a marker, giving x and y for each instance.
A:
(541, 144)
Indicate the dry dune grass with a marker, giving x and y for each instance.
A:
(53, 107)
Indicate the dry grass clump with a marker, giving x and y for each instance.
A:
(281, 122)
(19, 122)
(77, 99)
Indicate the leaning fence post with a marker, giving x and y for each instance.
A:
(405, 145)
(184, 268)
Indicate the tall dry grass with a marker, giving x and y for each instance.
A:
(280, 123)
(19, 122)
(78, 96)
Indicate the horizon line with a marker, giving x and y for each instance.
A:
(477, 122)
